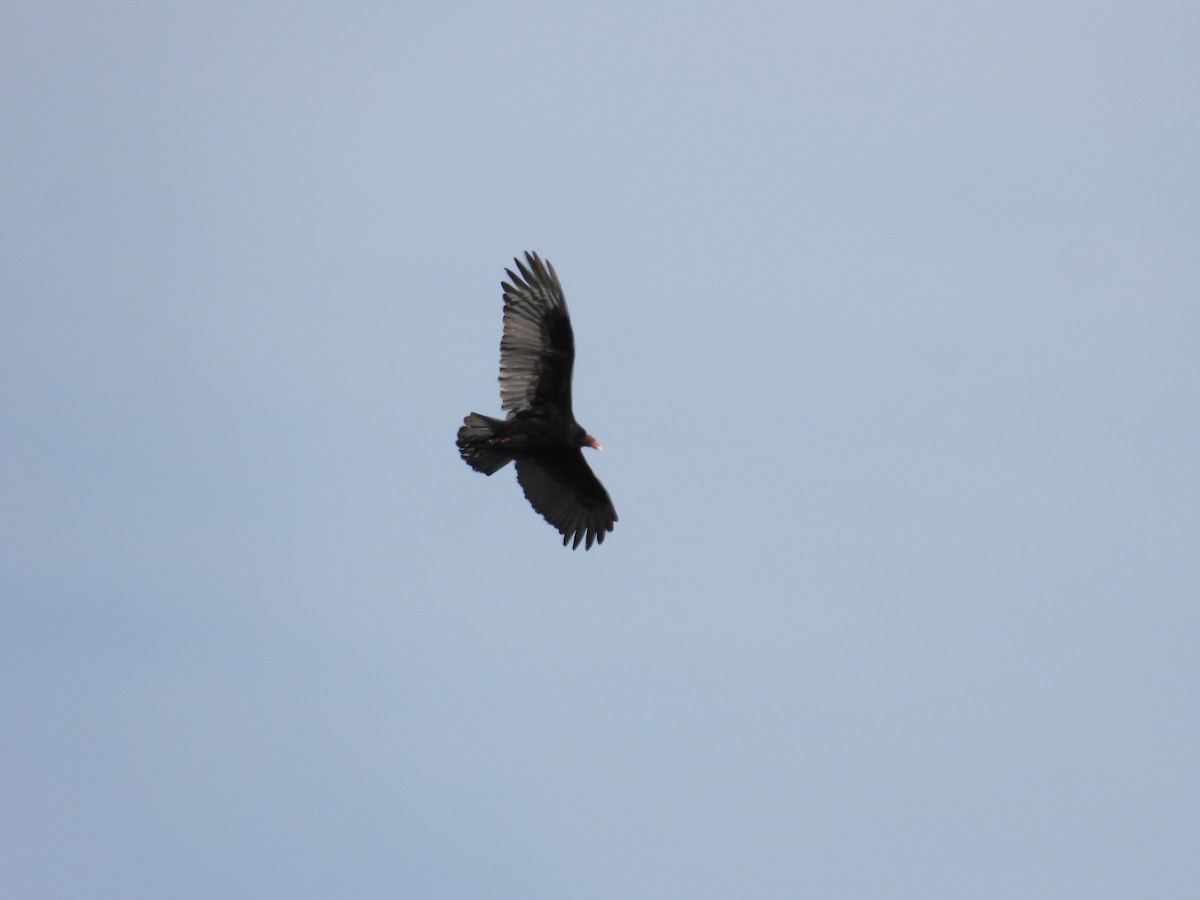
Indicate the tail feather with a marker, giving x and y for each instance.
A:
(476, 443)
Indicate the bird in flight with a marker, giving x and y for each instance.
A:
(540, 434)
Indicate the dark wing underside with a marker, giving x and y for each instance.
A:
(568, 495)
(537, 351)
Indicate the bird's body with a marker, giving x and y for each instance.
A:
(537, 355)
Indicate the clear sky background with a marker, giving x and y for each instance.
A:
(888, 318)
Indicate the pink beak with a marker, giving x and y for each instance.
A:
(593, 443)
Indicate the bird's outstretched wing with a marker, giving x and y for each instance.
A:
(537, 351)
(568, 495)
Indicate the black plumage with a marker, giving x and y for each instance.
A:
(537, 355)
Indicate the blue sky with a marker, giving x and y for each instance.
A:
(886, 316)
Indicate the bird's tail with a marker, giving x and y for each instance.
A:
(477, 444)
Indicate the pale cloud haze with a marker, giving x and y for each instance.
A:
(886, 315)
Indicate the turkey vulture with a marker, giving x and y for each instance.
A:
(540, 433)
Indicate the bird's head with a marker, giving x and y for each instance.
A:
(583, 439)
